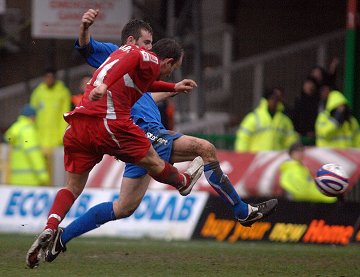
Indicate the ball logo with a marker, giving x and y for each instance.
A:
(331, 180)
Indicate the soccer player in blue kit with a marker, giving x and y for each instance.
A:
(171, 146)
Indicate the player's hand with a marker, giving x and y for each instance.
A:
(88, 18)
(185, 85)
(98, 92)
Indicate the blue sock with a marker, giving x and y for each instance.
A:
(92, 219)
(222, 185)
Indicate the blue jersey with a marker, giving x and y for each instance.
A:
(146, 114)
(96, 52)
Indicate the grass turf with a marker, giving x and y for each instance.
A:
(119, 257)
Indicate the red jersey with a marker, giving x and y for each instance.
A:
(128, 72)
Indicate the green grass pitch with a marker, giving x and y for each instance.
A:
(119, 257)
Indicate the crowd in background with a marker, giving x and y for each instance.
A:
(320, 116)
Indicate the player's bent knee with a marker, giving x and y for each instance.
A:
(207, 150)
(121, 211)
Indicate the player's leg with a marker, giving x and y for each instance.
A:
(136, 148)
(186, 147)
(164, 172)
(78, 161)
(131, 193)
(63, 201)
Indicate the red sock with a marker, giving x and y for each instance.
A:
(171, 176)
(62, 204)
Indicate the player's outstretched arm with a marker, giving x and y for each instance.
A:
(87, 20)
(185, 86)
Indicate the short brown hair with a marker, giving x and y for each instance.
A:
(133, 28)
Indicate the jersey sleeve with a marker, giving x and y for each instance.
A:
(96, 52)
(162, 86)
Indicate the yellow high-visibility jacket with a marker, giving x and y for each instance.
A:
(27, 163)
(296, 180)
(51, 104)
(260, 132)
(329, 133)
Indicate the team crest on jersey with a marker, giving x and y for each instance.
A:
(147, 57)
(125, 48)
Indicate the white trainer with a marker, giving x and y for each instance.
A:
(195, 169)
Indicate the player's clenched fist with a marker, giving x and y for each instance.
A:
(88, 18)
(98, 92)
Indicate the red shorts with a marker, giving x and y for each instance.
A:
(88, 138)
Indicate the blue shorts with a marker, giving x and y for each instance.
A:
(162, 141)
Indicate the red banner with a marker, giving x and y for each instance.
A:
(251, 174)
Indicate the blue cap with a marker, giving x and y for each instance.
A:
(27, 110)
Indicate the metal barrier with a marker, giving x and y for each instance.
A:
(236, 86)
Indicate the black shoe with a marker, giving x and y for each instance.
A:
(260, 211)
(55, 247)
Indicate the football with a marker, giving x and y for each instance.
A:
(331, 180)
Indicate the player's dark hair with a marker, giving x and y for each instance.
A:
(133, 28)
(168, 48)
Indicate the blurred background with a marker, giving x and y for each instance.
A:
(235, 49)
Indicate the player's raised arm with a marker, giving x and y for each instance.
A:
(95, 52)
(87, 20)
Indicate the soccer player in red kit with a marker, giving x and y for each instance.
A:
(101, 124)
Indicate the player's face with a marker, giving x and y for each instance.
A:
(168, 67)
(145, 40)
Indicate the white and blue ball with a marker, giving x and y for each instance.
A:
(331, 180)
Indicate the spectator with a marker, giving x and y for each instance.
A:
(321, 75)
(267, 127)
(324, 91)
(335, 126)
(76, 97)
(306, 110)
(27, 162)
(51, 99)
(296, 180)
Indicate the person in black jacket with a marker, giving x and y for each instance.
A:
(306, 110)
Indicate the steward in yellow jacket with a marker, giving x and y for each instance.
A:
(51, 99)
(27, 163)
(267, 128)
(335, 126)
(296, 180)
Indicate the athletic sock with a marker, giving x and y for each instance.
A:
(170, 175)
(92, 219)
(62, 204)
(222, 185)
